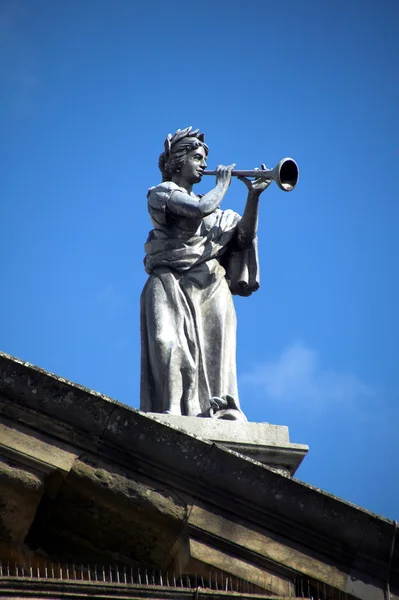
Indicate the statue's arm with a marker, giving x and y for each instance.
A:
(248, 225)
(182, 204)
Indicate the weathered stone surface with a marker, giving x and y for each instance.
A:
(13, 477)
(35, 448)
(119, 515)
(112, 485)
(264, 543)
(49, 394)
(142, 436)
(124, 492)
(231, 564)
(20, 493)
(32, 464)
(263, 442)
(219, 430)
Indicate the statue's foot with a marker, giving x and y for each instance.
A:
(224, 407)
(218, 403)
(229, 414)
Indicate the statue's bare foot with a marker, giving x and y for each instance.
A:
(218, 403)
(224, 407)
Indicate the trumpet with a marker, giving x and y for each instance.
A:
(285, 174)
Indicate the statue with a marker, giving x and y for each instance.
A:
(197, 256)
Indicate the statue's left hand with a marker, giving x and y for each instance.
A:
(258, 185)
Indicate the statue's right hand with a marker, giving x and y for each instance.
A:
(223, 175)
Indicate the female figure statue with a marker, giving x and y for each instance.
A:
(197, 256)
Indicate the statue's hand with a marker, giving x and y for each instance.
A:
(223, 175)
(258, 185)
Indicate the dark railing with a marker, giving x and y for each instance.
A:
(214, 581)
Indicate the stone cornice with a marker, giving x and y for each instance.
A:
(242, 488)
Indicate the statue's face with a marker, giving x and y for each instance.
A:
(193, 166)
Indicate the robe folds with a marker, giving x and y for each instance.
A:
(188, 320)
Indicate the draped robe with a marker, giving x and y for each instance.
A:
(188, 320)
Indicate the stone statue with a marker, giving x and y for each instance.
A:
(197, 256)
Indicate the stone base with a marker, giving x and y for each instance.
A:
(268, 444)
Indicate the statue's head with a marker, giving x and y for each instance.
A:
(176, 149)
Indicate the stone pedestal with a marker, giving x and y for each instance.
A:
(268, 444)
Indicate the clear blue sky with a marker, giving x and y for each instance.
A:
(89, 90)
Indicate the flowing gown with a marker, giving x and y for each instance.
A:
(188, 320)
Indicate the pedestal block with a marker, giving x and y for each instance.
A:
(266, 443)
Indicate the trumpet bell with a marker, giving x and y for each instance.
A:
(287, 174)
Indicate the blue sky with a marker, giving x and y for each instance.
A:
(88, 92)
